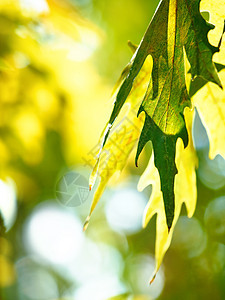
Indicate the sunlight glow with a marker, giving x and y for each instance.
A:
(212, 172)
(95, 261)
(100, 289)
(53, 233)
(34, 281)
(38, 6)
(8, 206)
(124, 210)
(81, 49)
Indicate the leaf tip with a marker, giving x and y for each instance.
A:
(132, 46)
(136, 163)
(153, 278)
(169, 221)
(86, 223)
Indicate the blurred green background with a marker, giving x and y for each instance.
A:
(59, 61)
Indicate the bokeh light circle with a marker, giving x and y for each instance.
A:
(124, 210)
(215, 219)
(53, 233)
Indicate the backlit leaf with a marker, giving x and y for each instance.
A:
(176, 28)
(210, 100)
(122, 138)
(185, 192)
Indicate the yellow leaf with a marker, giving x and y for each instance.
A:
(210, 100)
(217, 16)
(185, 192)
(122, 139)
(210, 103)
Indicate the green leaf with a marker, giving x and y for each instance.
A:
(199, 82)
(2, 226)
(176, 28)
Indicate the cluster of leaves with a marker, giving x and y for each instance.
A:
(173, 54)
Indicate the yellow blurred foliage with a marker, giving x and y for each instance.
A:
(48, 84)
(7, 270)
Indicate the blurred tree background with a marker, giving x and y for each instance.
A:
(59, 61)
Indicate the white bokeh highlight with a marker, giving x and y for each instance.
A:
(53, 233)
(8, 203)
(124, 210)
